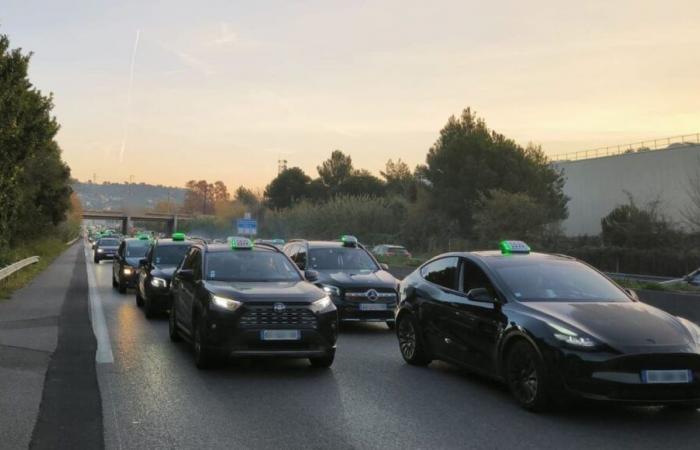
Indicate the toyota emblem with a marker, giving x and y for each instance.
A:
(372, 295)
(279, 307)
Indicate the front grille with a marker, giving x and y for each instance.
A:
(371, 294)
(292, 316)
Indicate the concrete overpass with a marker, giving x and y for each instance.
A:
(170, 219)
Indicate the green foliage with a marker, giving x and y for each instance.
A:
(335, 170)
(504, 215)
(371, 219)
(634, 227)
(400, 180)
(289, 187)
(34, 181)
(469, 160)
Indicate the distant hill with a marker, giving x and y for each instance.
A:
(117, 196)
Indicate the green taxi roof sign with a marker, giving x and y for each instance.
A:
(240, 243)
(178, 236)
(144, 237)
(514, 247)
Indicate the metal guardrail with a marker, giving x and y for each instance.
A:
(668, 143)
(12, 268)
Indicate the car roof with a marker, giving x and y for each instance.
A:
(169, 241)
(496, 255)
(327, 244)
(220, 247)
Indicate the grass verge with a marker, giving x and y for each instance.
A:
(47, 249)
(651, 286)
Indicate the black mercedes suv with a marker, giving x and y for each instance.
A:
(358, 284)
(249, 300)
(105, 248)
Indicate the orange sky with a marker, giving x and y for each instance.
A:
(223, 91)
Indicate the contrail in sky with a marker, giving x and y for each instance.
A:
(128, 97)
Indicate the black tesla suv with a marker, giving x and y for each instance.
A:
(361, 287)
(246, 300)
(156, 272)
(550, 327)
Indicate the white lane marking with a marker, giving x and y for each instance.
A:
(97, 316)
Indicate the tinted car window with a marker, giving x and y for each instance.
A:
(169, 255)
(109, 242)
(249, 266)
(442, 272)
(556, 280)
(341, 258)
(474, 278)
(136, 249)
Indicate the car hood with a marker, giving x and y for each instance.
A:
(133, 262)
(108, 248)
(280, 291)
(627, 325)
(378, 279)
(165, 272)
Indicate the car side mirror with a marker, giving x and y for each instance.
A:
(480, 295)
(301, 266)
(186, 274)
(632, 293)
(143, 262)
(94, 245)
(384, 266)
(311, 275)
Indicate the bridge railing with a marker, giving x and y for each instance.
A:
(667, 143)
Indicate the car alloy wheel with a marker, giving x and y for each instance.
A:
(407, 338)
(524, 373)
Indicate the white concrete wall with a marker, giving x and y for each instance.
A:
(596, 186)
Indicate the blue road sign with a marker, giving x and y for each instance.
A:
(247, 227)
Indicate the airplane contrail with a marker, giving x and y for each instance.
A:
(128, 97)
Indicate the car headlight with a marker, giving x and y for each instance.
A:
(571, 338)
(159, 282)
(99, 250)
(322, 304)
(128, 270)
(331, 290)
(225, 303)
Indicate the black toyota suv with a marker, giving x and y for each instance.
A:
(156, 271)
(126, 262)
(105, 248)
(244, 300)
(358, 284)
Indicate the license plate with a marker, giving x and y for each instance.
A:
(373, 307)
(280, 335)
(666, 376)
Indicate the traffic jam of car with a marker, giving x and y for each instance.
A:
(551, 328)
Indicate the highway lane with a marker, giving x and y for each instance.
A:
(154, 397)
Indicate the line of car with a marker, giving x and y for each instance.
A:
(550, 327)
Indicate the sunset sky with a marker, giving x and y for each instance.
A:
(222, 91)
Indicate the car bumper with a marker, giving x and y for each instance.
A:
(226, 335)
(618, 378)
(353, 312)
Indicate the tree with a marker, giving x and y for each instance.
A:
(361, 183)
(220, 192)
(469, 160)
(246, 196)
(288, 187)
(630, 226)
(335, 170)
(34, 181)
(201, 196)
(399, 179)
(494, 220)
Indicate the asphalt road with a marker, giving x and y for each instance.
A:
(154, 397)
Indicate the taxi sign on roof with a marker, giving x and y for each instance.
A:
(238, 243)
(178, 236)
(511, 247)
(349, 241)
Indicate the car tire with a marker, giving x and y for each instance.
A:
(121, 287)
(96, 260)
(323, 362)
(526, 378)
(204, 357)
(411, 343)
(148, 308)
(139, 299)
(172, 326)
(114, 282)
(391, 324)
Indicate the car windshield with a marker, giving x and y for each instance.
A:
(109, 242)
(556, 281)
(250, 265)
(397, 250)
(169, 255)
(137, 249)
(341, 258)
